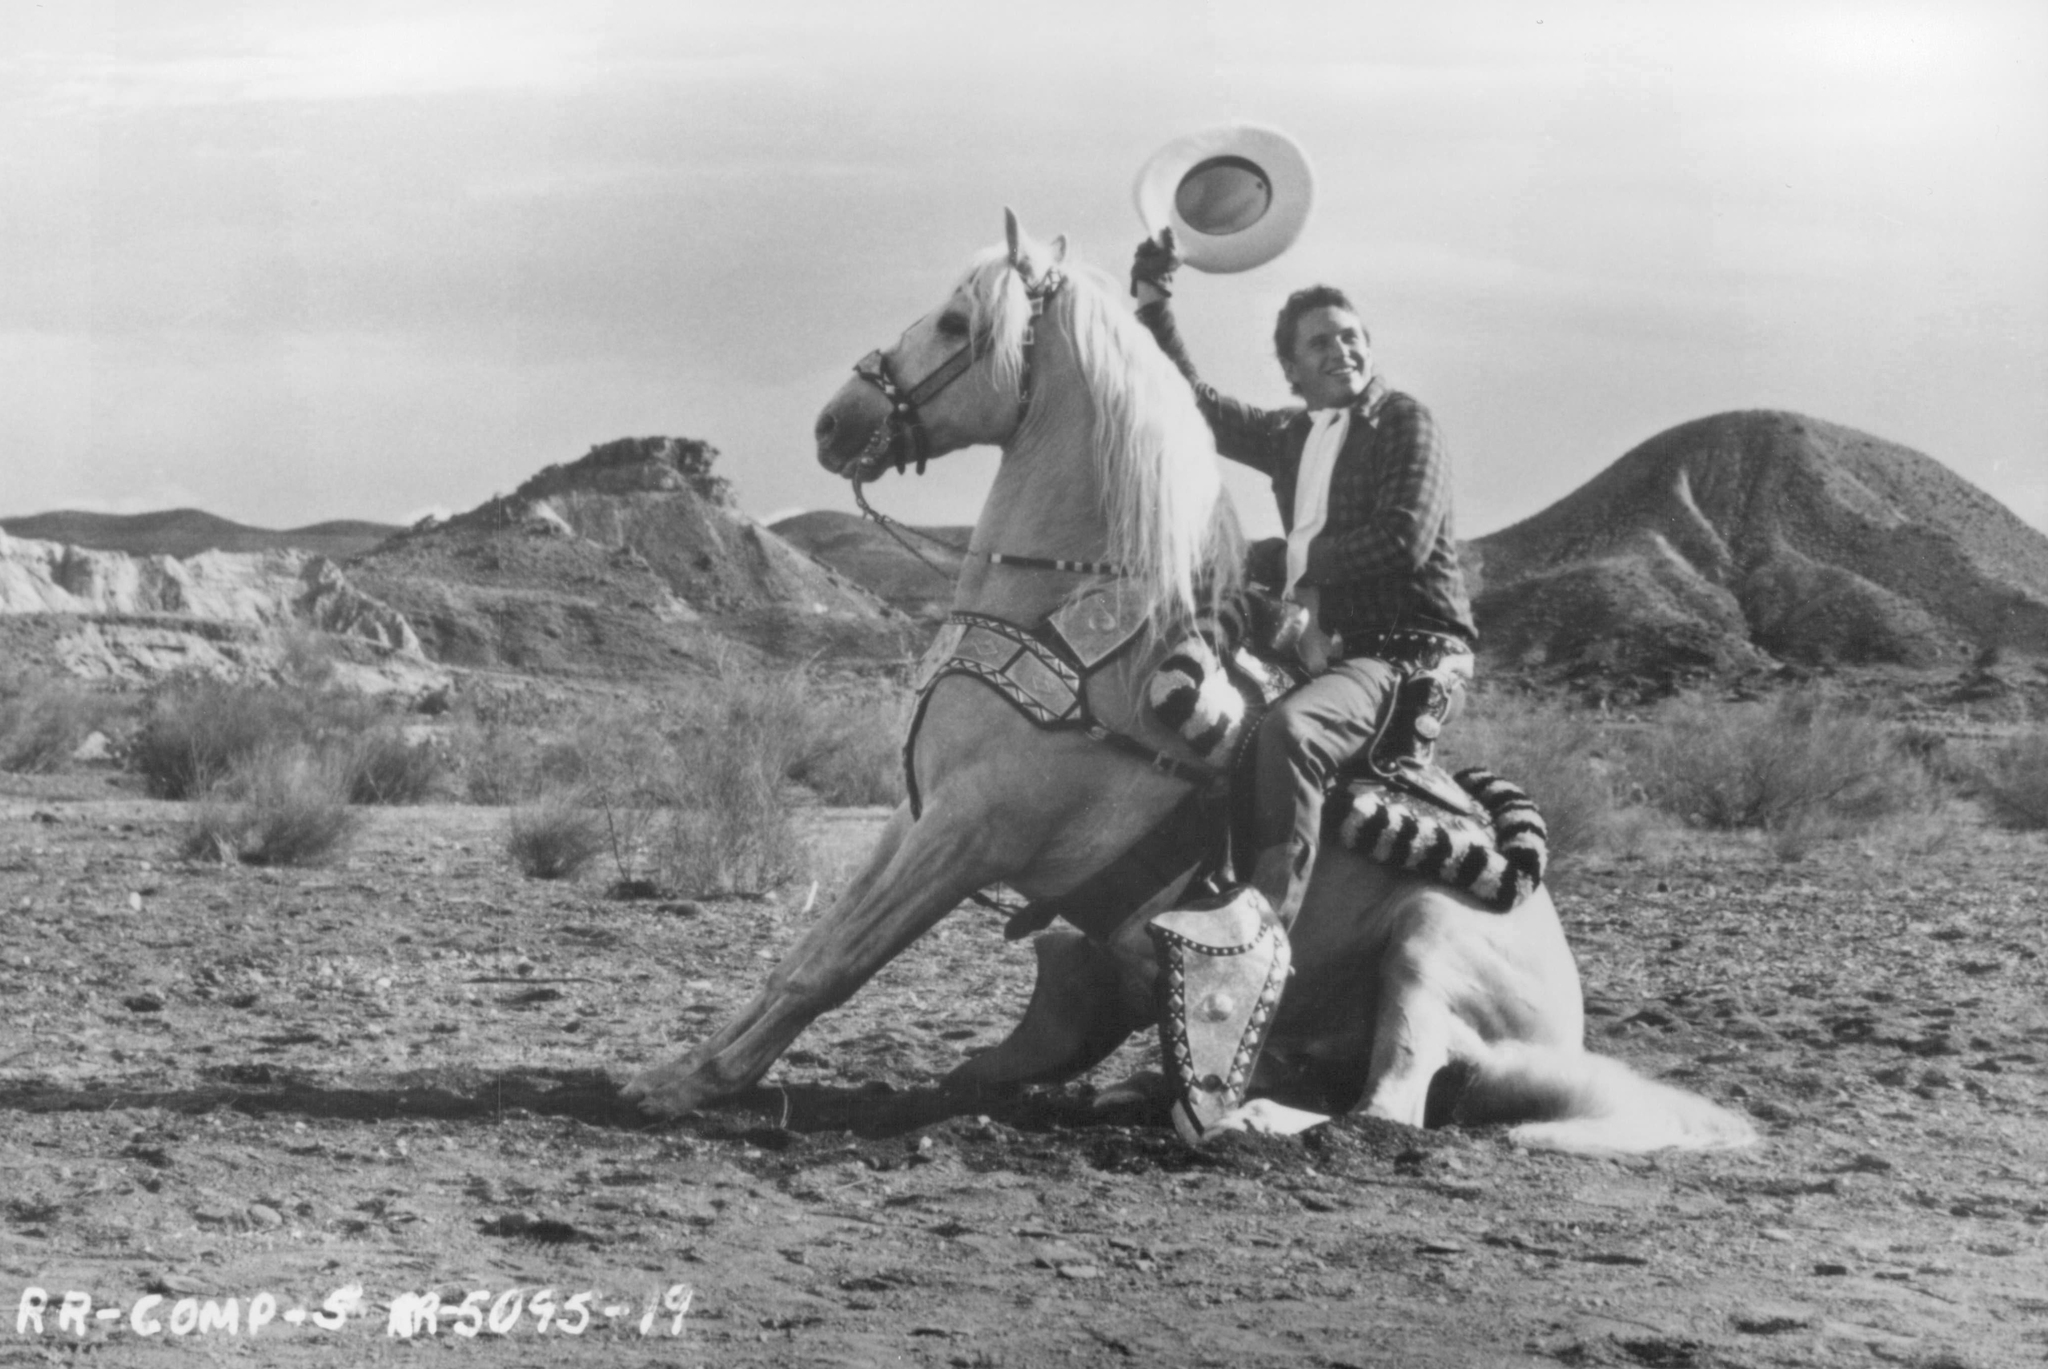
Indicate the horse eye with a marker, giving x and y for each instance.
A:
(953, 325)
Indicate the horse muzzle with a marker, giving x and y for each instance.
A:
(858, 438)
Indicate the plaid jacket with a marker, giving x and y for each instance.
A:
(1386, 559)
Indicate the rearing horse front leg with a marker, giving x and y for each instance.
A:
(920, 871)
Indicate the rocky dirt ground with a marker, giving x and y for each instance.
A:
(318, 1092)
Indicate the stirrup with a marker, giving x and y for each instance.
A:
(1226, 964)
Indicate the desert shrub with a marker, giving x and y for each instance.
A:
(726, 824)
(42, 725)
(494, 764)
(852, 748)
(554, 838)
(2012, 778)
(731, 832)
(381, 766)
(277, 805)
(1802, 766)
(1559, 755)
(194, 733)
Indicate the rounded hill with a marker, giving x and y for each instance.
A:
(1763, 534)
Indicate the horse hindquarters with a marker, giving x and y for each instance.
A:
(1499, 994)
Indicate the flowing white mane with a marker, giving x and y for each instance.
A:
(1169, 524)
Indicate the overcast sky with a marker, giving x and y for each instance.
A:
(297, 261)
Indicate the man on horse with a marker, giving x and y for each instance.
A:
(1363, 483)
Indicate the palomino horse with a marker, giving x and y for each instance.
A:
(1108, 471)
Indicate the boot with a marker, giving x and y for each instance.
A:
(1406, 754)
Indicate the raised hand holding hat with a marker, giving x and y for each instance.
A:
(1152, 267)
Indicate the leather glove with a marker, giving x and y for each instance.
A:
(1155, 262)
(1265, 562)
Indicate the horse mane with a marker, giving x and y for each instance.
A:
(1169, 524)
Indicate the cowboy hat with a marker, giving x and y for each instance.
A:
(1235, 196)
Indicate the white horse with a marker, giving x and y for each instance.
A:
(1108, 469)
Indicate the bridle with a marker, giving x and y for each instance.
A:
(903, 431)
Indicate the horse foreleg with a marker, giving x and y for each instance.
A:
(1079, 1014)
(920, 872)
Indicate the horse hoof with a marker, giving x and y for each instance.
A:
(664, 1091)
(1146, 1086)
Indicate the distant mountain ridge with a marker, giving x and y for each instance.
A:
(187, 532)
(1759, 535)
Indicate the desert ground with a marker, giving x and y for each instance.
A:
(249, 1110)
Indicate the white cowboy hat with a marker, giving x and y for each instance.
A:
(1235, 196)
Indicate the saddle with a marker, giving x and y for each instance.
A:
(1471, 831)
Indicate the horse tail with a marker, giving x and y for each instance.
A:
(1586, 1104)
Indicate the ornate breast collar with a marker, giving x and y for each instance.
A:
(1042, 671)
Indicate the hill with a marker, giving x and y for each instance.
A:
(632, 559)
(188, 532)
(1745, 537)
(865, 553)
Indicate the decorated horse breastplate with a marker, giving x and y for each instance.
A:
(1043, 671)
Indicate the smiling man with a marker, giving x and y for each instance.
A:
(1364, 488)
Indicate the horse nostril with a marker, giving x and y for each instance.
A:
(825, 425)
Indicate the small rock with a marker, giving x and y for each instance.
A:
(1057, 1253)
(1079, 1271)
(134, 902)
(143, 1002)
(95, 747)
(1770, 1319)
(1830, 1268)
(264, 1215)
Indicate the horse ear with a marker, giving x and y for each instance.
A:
(1014, 234)
(1059, 250)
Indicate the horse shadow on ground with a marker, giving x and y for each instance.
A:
(780, 1129)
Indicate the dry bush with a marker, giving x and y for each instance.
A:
(41, 725)
(727, 826)
(554, 838)
(852, 751)
(1558, 754)
(279, 805)
(494, 763)
(196, 732)
(1802, 767)
(733, 833)
(2012, 778)
(383, 767)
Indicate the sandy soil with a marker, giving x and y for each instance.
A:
(396, 1074)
